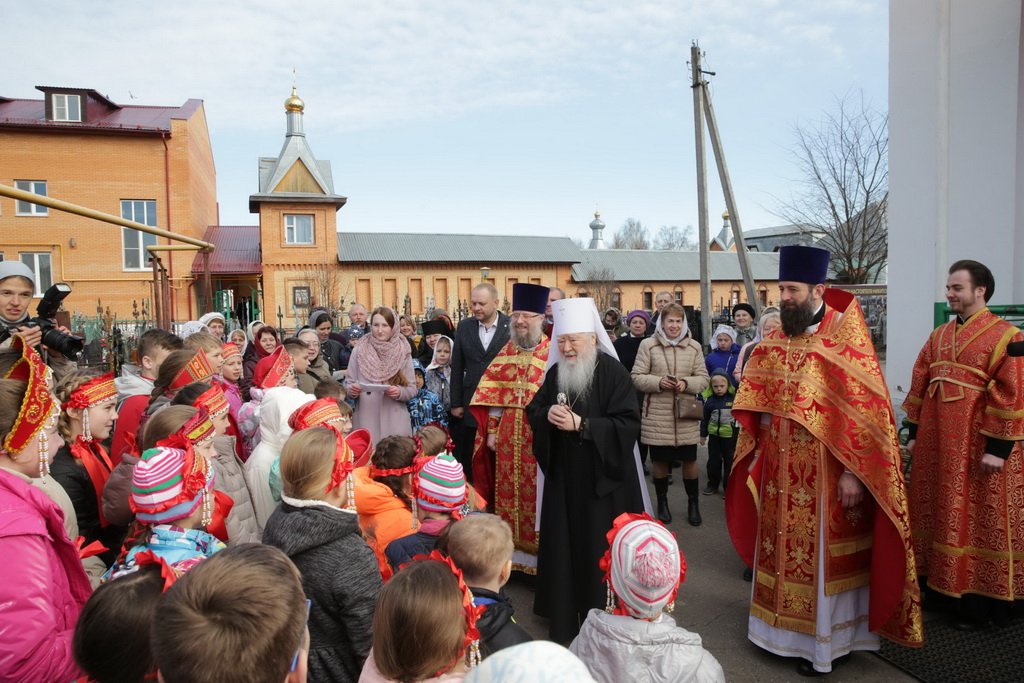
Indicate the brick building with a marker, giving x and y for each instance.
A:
(150, 164)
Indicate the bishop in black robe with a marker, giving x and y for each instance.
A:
(590, 478)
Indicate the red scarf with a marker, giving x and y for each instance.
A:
(97, 464)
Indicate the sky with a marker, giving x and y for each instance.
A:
(476, 116)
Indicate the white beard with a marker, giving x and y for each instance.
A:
(575, 377)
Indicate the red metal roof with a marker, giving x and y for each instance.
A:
(237, 252)
(108, 117)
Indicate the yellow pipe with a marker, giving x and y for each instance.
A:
(147, 279)
(173, 247)
(61, 205)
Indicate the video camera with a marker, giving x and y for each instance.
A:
(67, 344)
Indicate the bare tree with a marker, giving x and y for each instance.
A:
(844, 159)
(325, 287)
(577, 241)
(631, 235)
(602, 287)
(672, 237)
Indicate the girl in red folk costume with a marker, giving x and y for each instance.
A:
(316, 525)
(172, 495)
(634, 639)
(424, 628)
(439, 498)
(241, 521)
(178, 370)
(273, 370)
(82, 465)
(324, 412)
(383, 493)
(40, 605)
(230, 375)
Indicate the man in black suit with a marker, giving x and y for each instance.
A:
(477, 342)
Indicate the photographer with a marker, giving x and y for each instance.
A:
(17, 286)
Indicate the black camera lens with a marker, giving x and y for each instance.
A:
(67, 344)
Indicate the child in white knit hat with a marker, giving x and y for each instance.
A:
(634, 639)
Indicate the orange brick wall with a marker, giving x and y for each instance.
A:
(98, 171)
(285, 265)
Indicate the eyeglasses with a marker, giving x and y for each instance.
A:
(295, 657)
(524, 315)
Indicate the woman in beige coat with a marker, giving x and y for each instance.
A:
(668, 364)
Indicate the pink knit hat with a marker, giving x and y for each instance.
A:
(440, 485)
(170, 484)
(643, 567)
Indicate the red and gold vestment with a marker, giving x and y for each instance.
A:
(811, 407)
(510, 383)
(968, 525)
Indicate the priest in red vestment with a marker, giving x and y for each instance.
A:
(816, 502)
(504, 467)
(966, 409)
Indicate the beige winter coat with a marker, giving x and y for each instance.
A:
(654, 360)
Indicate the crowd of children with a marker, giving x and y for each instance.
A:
(235, 527)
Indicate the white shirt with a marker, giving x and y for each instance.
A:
(487, 332)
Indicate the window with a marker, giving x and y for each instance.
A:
(28, 208)
(67, 108)
(134, 254)
(648, 300)
(298, 229)
(615, 300)
(300, 297)
(39, 262)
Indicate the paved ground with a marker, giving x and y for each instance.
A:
(714, 601)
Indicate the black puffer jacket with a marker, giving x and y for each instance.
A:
(498, 628)
(341, 578)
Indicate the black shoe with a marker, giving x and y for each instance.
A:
(748, 574)
(693, 513)
(664, 515)
(709, 489)
(805, 668)
(969, 625)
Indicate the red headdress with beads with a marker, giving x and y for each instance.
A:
(85, 449)
(196, 370)
(273, 369)
(38, 407)
(214, 400)
(96, 390)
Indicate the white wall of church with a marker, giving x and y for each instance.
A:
(956, 159)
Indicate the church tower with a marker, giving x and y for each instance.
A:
(297, 206)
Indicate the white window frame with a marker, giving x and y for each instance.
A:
(291, 228)
(61, 103)
(22, 208)
(137, 240)
(35, 262)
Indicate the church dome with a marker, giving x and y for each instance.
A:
(294, 102)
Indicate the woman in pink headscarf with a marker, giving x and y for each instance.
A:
(380, 378)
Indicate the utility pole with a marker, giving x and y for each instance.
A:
(730, 203)
(703, 110)
(702, 194)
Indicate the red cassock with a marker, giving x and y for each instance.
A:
(510, 479)
(968, 524)
(810, 407)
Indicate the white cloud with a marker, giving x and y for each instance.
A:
(373, 64)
